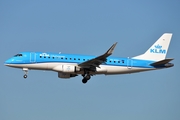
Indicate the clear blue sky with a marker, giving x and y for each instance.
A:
(88, 27)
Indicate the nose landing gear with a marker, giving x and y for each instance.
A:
(25, 76)
(26, 72)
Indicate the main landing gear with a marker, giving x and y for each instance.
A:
(86, 78)
(26, 72)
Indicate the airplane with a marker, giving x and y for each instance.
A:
(72, 65)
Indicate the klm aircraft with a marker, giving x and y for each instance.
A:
(72, 65)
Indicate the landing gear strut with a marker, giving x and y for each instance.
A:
(26, 72)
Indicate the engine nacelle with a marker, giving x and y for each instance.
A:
(66, 68)
(66, 75)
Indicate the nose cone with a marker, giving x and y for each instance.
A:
(8, 62)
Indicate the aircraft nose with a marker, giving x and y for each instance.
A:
(7, 62)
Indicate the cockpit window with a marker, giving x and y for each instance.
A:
(18, 55)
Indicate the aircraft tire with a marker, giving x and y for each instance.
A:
(25, 76)
(84, 80)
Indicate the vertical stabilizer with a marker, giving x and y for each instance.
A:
(158, 50)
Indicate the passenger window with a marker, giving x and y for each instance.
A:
(53, 57)
(114, 61)
(40, 56)
(74, 58)
(49, 57)
(70, 58)
(66, 58)
(44, 56)
(122, 61)
(109, 61)
(84, 59)
(118, 61)
(78, 58)
(62, 58)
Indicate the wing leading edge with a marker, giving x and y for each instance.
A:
(95, 62)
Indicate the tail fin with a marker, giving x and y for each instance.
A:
(158, 50)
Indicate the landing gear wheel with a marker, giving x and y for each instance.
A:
(84, 81)
(25, 76)
(86, 78)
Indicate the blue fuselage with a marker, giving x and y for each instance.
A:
(39, 57)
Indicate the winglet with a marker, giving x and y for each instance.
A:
(95, 62)
(111, 49)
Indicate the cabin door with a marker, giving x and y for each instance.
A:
(32, 57)
(129, 63)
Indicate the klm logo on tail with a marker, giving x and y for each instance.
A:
(158, 49)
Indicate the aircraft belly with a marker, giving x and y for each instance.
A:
(17, 65)
(52, 65)
(138, 69)
(117, 70)
(125, 70)
(42, 66)
(37, 66)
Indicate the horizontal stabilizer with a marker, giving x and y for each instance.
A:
(162, 62)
